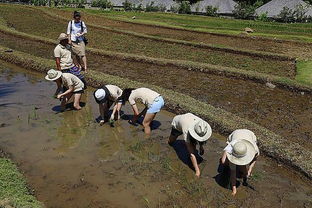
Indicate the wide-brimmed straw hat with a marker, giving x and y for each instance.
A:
(201, 131)
(246, 134)
(243, 152)
(53, 75)
(62, 36)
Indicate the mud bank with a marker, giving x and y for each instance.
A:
(73, 162)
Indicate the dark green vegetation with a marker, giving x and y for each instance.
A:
(13, 188)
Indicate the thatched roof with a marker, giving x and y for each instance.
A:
(274, 7)
(224, 6)
(166, 3)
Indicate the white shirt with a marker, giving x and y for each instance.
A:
(147, 96)
(115, 92)
(75, 29)
(183, 122)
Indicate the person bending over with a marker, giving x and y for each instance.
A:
(240, 155)
(152, 100)
(106, 97)
(70, 84)
(195, 131)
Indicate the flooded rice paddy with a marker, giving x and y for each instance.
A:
(71, 161)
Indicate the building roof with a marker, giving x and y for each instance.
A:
(224, 6)
(274, 7)
(144, 3)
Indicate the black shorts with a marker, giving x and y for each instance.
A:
(79, 92)
(175, 132)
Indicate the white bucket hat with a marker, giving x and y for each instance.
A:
(62, 36)
(246, 134)
(243, 152)
(201, 131)
(100, 94)
(53, 75)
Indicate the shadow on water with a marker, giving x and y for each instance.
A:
(69, 106)
(182, 153)
(6, 89)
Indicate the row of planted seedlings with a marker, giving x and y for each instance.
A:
(270, 143)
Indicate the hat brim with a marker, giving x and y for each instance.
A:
(197, 137)
(251, 152)
(60, 39)
(59, 74)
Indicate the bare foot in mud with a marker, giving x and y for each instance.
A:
(77, 108)
(234, 191)
(102, 122)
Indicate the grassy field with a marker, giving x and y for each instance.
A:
(13, 188)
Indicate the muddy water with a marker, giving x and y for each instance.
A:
(71, 161)
(286, 113)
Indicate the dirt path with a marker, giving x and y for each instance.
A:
(294, 49)
(72, 162)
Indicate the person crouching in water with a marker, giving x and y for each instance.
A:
(153, 104)
(106, 97)
(240, 155)
(195, 131)
(63, 58)
(71, 84)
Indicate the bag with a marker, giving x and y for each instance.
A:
(84, 39)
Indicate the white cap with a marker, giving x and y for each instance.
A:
(100, 94)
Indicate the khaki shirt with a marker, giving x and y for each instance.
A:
(64, 54)
(183, 122)
(115, 92)
(147, 96)
(69, 80)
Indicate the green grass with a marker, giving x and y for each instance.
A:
(13, 187)
(304, 72)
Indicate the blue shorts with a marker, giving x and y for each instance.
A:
(157, 105)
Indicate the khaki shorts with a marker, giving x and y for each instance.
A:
(79, 49)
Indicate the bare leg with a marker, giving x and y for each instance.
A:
(233, 181)
(149, 117)
(84, 60)
(77, 98)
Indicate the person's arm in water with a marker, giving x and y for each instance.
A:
(101, 109)
(116, 110)
(136, 113)
(70, 90)
(191, 149)
(251, 166)
(59, 88)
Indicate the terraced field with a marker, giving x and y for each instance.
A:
(120, 42)
(131, 54)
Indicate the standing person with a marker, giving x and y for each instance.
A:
(72, 84)
(63, 58)
(76, 31)
(240, 155)
(152, 100)
(106, 97)
(195, 131)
